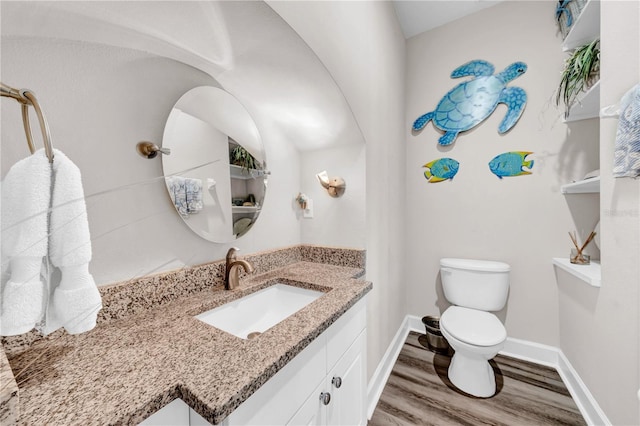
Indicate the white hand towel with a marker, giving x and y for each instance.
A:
(76, 301)
(177, 192)
(26, 192)
(193, 189)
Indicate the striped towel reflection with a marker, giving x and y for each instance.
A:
(186, 194)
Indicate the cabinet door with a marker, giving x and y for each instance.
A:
(344, 332)
(279, 398)
(348, 401)
(312, 412)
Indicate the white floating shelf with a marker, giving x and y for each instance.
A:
(586, 26)
(591, 274)
(587, 105)
(238, 172)
(244, 209)
(587, 186)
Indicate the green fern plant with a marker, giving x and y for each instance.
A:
(241, 157)
(581, 71)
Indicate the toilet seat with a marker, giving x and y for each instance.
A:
(478, 328)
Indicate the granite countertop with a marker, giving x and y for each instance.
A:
(125, 370)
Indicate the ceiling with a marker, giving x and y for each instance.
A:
(418, 16)
(245, 46)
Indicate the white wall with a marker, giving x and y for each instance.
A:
(524, 220)
(361, 44)
(520, 220)
(338, 222)
(100, 101)
(600, 328)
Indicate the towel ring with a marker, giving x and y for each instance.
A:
(26, 97)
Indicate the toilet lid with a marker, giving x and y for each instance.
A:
(474, 327)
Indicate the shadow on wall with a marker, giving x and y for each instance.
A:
(579, 149)
(585, 212)
(441, 301)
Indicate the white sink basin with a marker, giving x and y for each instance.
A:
(259, 311)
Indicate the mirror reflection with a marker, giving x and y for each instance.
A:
(216, 175)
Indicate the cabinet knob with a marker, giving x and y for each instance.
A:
(337, 382)
(325, 398)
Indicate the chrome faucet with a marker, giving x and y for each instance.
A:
(232, 269)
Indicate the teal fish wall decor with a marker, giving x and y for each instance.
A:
(441, 169)
(471, 102)
(511, 164)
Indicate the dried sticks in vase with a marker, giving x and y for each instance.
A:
(577, 256)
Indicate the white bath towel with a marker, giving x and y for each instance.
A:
(30, 187)
(22, 297)
(76, 300)
(26, 193)
(70, 242)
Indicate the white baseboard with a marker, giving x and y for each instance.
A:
(516, 348)
(531, 351)
(587, 404)
(381, 375)
(554, 357)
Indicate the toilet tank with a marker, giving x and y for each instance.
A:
(476, 284)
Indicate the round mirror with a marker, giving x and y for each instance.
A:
(216, 173)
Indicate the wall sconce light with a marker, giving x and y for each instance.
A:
(334, 186)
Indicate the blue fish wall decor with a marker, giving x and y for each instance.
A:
(471, 102)
(511, 164)
(441, 169)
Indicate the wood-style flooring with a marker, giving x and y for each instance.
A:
(418, 392)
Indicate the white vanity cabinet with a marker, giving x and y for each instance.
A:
(345, 403)
(334, 364)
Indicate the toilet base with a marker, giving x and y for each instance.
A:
(472, 374)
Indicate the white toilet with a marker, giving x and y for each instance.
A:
(474, 287)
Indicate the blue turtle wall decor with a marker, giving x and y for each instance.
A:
(511, 164)
(472, 101)
(441, 169)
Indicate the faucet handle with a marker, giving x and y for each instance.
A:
(231, 254)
